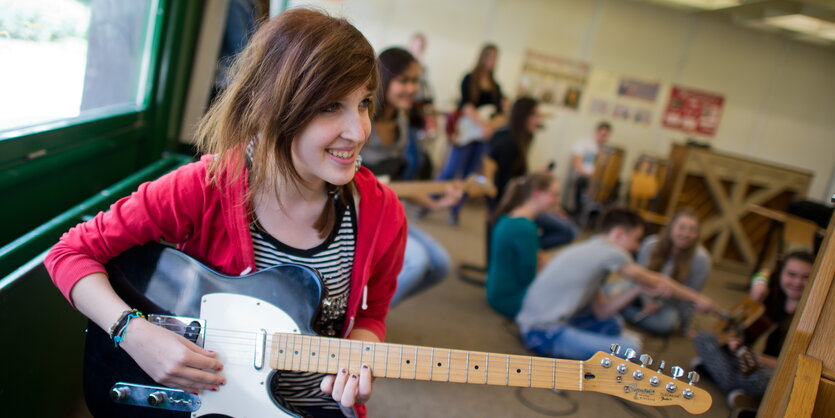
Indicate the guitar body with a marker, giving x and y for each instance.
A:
(160, 280)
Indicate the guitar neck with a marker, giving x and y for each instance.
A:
(307, 353)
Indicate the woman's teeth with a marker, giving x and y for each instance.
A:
(341, 154)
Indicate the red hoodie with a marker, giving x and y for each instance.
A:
(212, 225)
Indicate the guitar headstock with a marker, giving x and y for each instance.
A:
(634, 379)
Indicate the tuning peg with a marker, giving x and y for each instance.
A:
(676, 372)
(646, 360)
(693, 377)
(661, 366)
(615, 349)
(629, 354)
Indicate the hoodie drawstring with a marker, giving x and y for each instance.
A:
(365, 298)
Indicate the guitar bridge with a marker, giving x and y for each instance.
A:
(192, 329)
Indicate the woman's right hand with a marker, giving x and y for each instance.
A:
(170, 359)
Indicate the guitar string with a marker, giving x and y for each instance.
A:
(215, 334)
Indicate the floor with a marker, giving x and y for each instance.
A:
(455, 315)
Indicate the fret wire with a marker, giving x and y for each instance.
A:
(448, 365)
(400, 364)
(387, 360)
(431, 363)
(467, 375)
(350, 354)
(554, 378)
(319, 360)
(581, 377)
(487, 368)
(507, 370)
(416, 357)
(374, 354)
(309, 344)
(530, 370)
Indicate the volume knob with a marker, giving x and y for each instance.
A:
(157, 398)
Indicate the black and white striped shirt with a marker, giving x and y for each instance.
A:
(334, 259)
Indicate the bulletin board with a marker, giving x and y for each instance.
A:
(693, 111)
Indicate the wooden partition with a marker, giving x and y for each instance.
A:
(722, 188)
(811, 340)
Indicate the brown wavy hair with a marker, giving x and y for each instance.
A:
(479, 71)
(520, 189)
(294, 66)
(664, 250)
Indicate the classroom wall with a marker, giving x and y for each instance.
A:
(779, 94)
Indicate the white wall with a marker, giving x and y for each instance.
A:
(779, 94)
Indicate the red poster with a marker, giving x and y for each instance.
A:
(693, 111)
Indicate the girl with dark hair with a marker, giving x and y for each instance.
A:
(479, 89)
(279, 183)
(509, 149)
(676, 253)
(514, 250)
(427, 262)
(785, 291)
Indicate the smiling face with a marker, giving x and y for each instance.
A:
(325, 151)
(684, 232)
(402, 89)
(794, 277)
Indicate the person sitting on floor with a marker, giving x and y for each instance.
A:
(515, 241)
(676, 253)
(745, 384)
(565, 314)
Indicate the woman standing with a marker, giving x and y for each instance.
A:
(479, 91)
(279, 183)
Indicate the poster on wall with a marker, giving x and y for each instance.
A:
(693, 111)
(553, 80)
(637, 89)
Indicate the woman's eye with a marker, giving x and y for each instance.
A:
(333, 107)
(365, 103)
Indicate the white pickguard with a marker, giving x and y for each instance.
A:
(232, 323)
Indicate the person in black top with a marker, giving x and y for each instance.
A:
(509, 149)
(481, 103)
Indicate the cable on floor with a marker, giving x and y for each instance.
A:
(637, 411)
(573, 406)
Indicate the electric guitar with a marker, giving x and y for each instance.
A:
(260, 323)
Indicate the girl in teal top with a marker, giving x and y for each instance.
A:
(514, 249)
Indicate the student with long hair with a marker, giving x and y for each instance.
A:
(676, 253)
(514, 252)
(565, 312)
(478, 89)
(426, 262)
(279, 183)
(509, 148)
(785, 288)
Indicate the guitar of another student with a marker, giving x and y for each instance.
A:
(261, 323)
(734, 323)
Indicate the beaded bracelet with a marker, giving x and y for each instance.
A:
(120, 327)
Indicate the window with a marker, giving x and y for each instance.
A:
(72, 60)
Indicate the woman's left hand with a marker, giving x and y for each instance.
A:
(349, 388)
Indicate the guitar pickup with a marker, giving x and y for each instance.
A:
(157, 397)
(192, 329)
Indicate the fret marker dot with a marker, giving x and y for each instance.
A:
(333, 355)
(440, 364)
(281, 351)
(408, 361)
(313, 354)
(296, 352)
(518, 370)
(367, 348)
(476, 366)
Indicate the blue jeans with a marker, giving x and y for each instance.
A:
(580, 338)
(426, 263)
(556, 230)
(462, 162)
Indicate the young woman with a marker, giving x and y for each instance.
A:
(676, 253)
(478, 89)
(514, 251)
(509, 149)
(786, 286)
(279, 183)
(427, 262)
